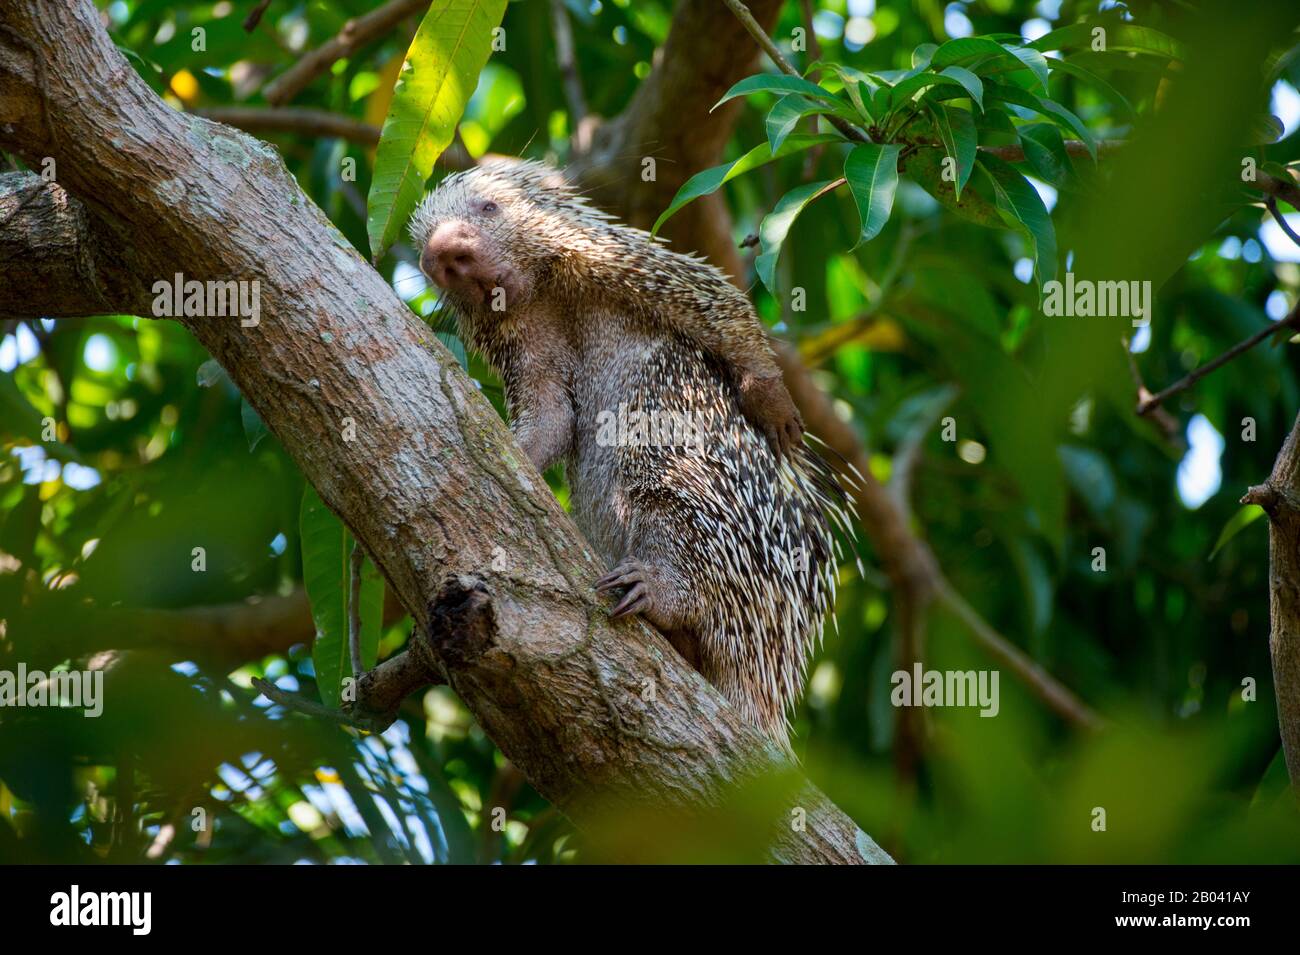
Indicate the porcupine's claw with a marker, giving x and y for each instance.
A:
(629, 573)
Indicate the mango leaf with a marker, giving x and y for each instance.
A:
(872, 174)
(854, 81)
(925, 167)
(326, 551)
(1036, 62)
(1045, 151)
(957, 130)
(437, 79)
(1020, 204)
(1236, 524)
(1117, 37)
(776, 83)
(968, 80)
(969, 49)
(958, 77)
(785, 115)
(1045, 107)
(776, 226)
(710, 180)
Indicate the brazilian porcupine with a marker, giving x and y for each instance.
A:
(649, 374)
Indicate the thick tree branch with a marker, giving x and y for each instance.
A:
(396, 439)
(1279, 496)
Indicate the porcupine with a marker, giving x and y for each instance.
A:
(724, 542)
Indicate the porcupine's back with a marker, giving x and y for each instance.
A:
(752, 537)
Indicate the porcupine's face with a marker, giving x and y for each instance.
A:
(477, 235)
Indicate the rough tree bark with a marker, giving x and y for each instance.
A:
(378, 415)
(1279, 496)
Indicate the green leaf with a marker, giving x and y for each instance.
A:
(776, 83)
(438, 77)
(854, 81)
(1036, 62)
(326, 551)
(967, 49)
(957, 130)
(1118, 37)
(1053, 110)
(1236, 524)
(1045, 152)
(710, 180)
(1020, 204)
(785, 115)
(972, 83)
(872, 174)
(925, 167)
(776, 225)
(961, 78)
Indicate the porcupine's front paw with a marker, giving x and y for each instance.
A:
(767, 405)
(639, 597)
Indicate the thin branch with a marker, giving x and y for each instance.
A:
(814, 45)
(303, 122)
(568, 64)
(1045, 686)
(1167, 423)
(1271, 205)
(1073, 147)
(255, 16)
(1146, 404)
(356, 33)
(765, 42)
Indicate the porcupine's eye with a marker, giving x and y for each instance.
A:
(487, 207)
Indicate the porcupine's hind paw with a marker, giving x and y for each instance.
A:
(639, 596)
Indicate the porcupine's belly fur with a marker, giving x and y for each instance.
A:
(749, 539)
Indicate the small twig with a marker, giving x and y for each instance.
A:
(765, 42)
(1271, 205)
(567, 62)
(301, 704)
(1166, 421)
(304, 122)
(1146, 404)
(255, 16)
(356, 33)
(355, 563)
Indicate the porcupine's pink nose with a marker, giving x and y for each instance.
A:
(453, 256)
